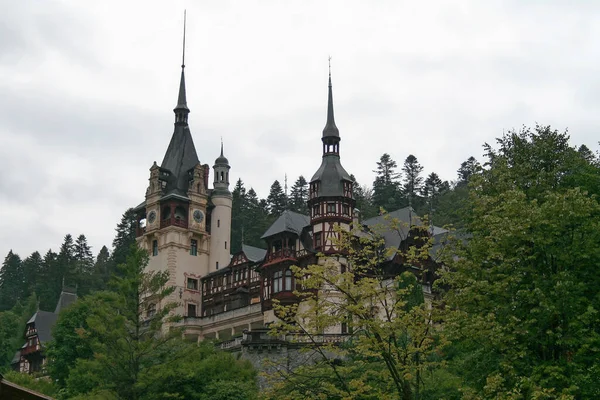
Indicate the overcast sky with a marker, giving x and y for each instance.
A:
(87, 91)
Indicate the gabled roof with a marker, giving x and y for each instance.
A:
(253, 254)
(11, 390)
(44, 321)
(402, 219)
(289, 221)
(67, 297)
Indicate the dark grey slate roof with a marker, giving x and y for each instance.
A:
(180, 157)
(331, 174)
(401, 219)
(181, 154)
(181, 98)
(67, 297)
(289, 221)
(16, 358)
(253, 254)
(330, 128)
(44, 321)
(222, 159)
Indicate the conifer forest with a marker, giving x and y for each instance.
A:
(515, 312)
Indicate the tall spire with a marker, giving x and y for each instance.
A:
(330, 128)
(182, 110)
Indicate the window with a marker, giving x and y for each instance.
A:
(151, 310)
(194, 247)
(218, 223)
(318, 240)
(277, 282)
(288, 280)
(330, 208)
(155, 247)
(192, 284)
(344, 327)
(191, 310)
(226, 245)
(217, 265)
(316, 210)
(346, 209)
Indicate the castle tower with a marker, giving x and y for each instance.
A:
(220, 220)
(172, 219)
(331, 201)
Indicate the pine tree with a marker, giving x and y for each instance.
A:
(46, 287)
(431, 191)
(84, 265)
(237, 216)
(101, 270)
(276, 201)
(466, 170)
(413, 181)
(11, 281)
(256, 219)
(299, 196)
(386, 187)
(124, 238)
(66, 265)
(32, 266)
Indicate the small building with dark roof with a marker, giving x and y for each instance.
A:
(31, 358)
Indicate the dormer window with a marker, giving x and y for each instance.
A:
(347, 189)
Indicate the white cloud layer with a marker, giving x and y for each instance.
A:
(88, 88)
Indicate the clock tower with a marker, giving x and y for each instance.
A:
(184, 225)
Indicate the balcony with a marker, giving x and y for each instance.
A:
(180, 222)
(30, 349)
(284, 254)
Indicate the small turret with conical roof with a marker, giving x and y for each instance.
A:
(221, 169)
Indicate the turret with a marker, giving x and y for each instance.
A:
(331, 201)
(220, 221)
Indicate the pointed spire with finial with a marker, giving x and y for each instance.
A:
(222, 159)
(330, 127)
(182, 110)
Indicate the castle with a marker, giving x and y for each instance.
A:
(186, 228)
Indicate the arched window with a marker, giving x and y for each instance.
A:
(277, 282)
(288, 280)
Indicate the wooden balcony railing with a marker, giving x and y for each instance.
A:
(182, 223)
(283, 254)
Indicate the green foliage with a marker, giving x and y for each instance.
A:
(12, 329)
(413, 181)
(386, 187)
(69, 341)
(11, 281)
(124, 239)
(116, 344)
(45, 283)
(524, 289)
(276, 201)
(364, 199)
(40, 385)
(299, 196)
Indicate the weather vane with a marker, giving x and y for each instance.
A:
(329, 65)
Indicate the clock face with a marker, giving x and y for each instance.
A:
(152, 217)
(198, 216)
